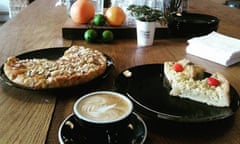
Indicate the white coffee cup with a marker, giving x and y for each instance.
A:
(103, 107)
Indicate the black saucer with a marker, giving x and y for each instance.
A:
(72, 133)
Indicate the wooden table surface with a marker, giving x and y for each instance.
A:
(31, 117)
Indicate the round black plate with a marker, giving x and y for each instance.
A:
(192, 24)
(51, 54)
(75, 134)
(148, 90)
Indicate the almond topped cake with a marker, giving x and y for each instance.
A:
(187, 81)
(78, 65)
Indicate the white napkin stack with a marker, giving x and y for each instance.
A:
(215, 47)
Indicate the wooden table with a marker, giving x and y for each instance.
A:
(34, 117)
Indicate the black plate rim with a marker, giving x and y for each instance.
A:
(192, 24)
(3, 77)
(185, 17)
(169, 117)
(139, 118)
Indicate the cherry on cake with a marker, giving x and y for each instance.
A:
(187, 81)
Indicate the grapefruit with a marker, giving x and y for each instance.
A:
(115, 16)
(82, 11)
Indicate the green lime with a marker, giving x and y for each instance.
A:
(99, 20)
(107, 36)
(90, 35)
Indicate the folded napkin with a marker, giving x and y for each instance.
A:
(215, 47)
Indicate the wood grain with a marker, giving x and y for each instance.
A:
(26, 115)
(125, 54)
(35, 117)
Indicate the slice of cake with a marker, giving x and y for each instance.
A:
(187, 81)
(182, 69)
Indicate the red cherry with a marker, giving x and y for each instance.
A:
(213, 82)
(178, 67)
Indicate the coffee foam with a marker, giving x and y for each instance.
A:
(104, 107)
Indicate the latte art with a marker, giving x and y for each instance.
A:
(104, 107)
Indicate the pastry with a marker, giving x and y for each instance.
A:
(76, 66)
(187, 81)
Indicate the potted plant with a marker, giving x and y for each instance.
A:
(172, 6)
(146, 18)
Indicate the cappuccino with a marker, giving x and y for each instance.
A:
(103, 107)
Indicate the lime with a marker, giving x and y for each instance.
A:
(90, 35)
(99, 20)
(107, 36)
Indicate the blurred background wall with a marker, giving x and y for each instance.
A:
(4, 10)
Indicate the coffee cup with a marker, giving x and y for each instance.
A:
(103, 117)
(103, 107)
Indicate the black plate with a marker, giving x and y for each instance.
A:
(74, 135)
(192, 24)
(51, 54)
(147, 88)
